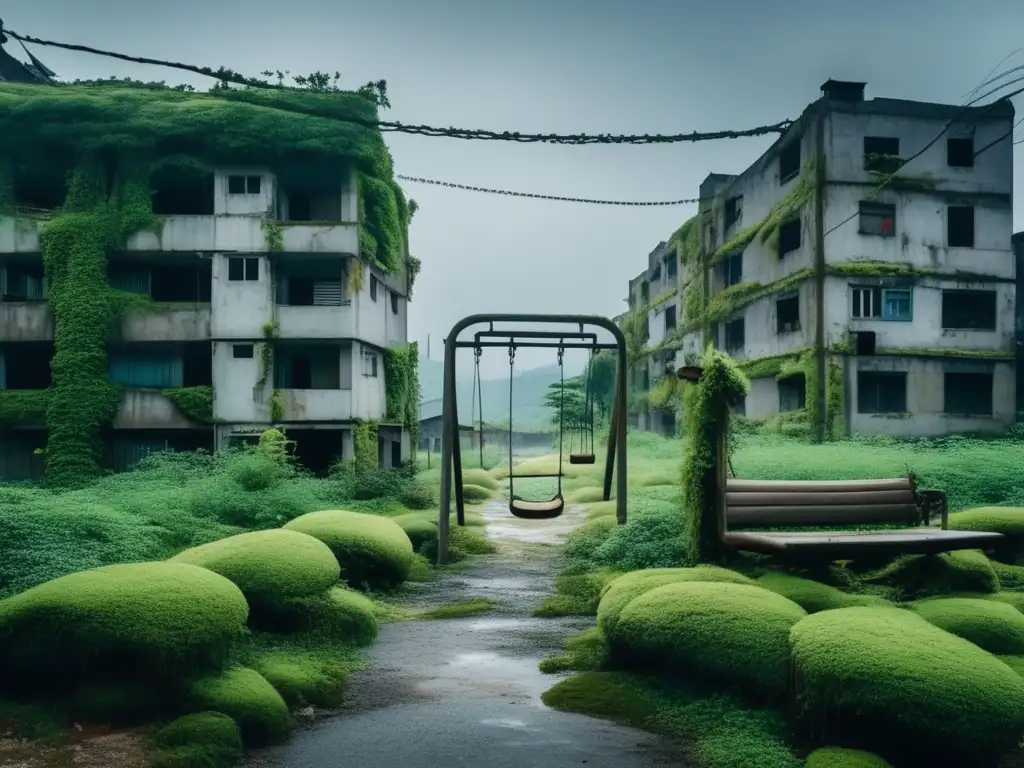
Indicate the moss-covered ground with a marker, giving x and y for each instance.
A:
(908, 663)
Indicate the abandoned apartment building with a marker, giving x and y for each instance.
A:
(904, 275)
(214, 290)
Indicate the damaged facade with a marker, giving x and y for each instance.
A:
(251, 287)
(861, 271)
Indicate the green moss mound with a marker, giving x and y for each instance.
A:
(618, 593)
(305, 682)
(474, 494)
(577, 594)
(584, 652)
(418, 527)
(837, 757)
(372, 551)
(269, 566)
(200, 740)
(1008, 521)
(141, 620)
(995, 626)
(1016, 599)
(718, 631)
(340, 614)
(887, 677)
(927, 575)
(480, 477)
(246, 697)
(813, 596)
(115, 703)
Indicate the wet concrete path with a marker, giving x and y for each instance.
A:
(466, 692)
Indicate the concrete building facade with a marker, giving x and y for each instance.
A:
(861, 270)
(250, 286)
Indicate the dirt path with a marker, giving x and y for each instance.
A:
(466, 692)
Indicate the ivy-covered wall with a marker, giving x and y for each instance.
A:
(402, 388)
(107, 140)
(364, 445)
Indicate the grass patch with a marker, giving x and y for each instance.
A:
(474, 606)
(583, 653)
(576, 595)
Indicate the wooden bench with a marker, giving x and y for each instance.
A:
(762, 504)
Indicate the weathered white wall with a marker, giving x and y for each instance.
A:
(240, 308)
(25, 321)
(19, 235)
(926, 395)
(244, 233)
(369, 400)
(236, 397)
(183, 321)
(761, 325)
(260, 204)
(317, 404)
(146, 409)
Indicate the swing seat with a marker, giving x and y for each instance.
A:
(582, 458)
(537, 510)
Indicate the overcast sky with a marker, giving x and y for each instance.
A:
(560, 66)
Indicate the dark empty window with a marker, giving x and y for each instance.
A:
(882, 154)
(242, 351)
(394, 303)
(787, 312)
(960, 153)
(973, 310)
(671, 267)
(656, 273)
(960, 226)
(877, 219)
(732, 270)
(180, 283)
(881, 392)
(968, 394)
(733, 210)
(300, 207)
(789, 161)
(244, 185)
(243, 268)
(789, 237)
(373, 287)
(735, 335)
(792, 393)
(740, 407)
(645, 293)
(670, 318)
(24, 282)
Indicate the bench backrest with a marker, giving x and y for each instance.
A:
(789, 503)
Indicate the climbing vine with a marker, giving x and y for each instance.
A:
(273, 235)
(105, 203)
(364, 446)
(402, 387)
(354, 278)
(706, 412)
(834, 406)
(7, 202)
(20, 407)
(276, 406)
(195, 403)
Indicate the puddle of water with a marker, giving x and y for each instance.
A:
(484, 625)
(504, 723)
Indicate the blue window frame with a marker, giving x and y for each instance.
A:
(892, 304)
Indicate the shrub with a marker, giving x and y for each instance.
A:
(371, 550)
(813, 596)
(837, 757)
(995, 626)
(140, 619)
(474, 494)
(887, 677)
(620, 592)
(269, 566)
(304, 682)
(201, 740)
(419, 495)
(924, 575)
(247, 698)
(725, 632)
(340, 614)
(651, 537)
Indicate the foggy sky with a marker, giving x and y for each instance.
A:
(561, 66)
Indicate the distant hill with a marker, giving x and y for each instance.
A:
(528, 390)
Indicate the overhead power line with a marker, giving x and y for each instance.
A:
(227, 76)
(538, 196)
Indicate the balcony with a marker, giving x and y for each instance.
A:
(316, 404)
(184, 321)
(25, 321)
(244, 234)
(150, 409)
(315, 322)
(19, 235)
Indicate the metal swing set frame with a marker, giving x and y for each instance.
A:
(511, 339)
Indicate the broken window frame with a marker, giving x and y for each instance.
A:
(732, 270)
(394, 303)
(960, 152)
(789, 161)
(882, 213)
(792, 327)
(792, 389)
(991, 320)
(730, 333)
(873, 399)
(963, 404)
(882, 154)
(670, 318)
(243, 351)
(790, 230)
(733, 211)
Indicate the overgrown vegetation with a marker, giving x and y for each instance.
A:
(402, 388)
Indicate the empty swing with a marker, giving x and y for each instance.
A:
(586, 452)
(535, 510)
